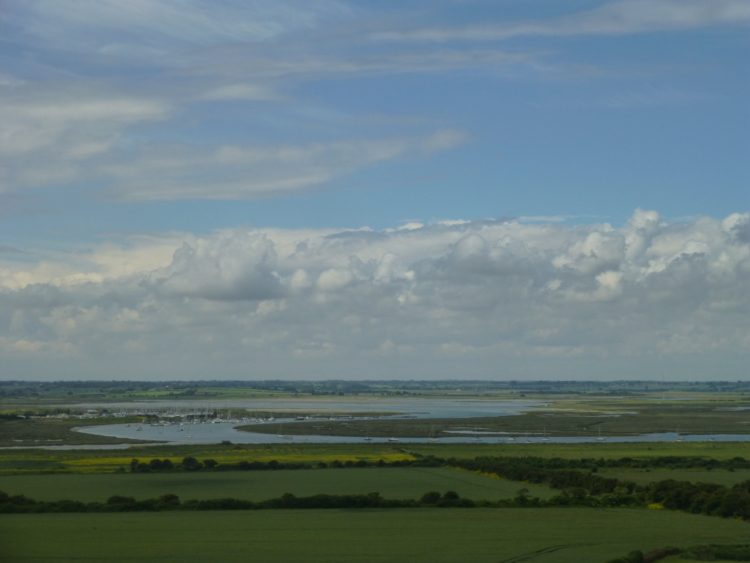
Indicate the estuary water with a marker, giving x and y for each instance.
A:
(226, 431)
(367, 407)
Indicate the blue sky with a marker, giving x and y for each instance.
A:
(130, 130)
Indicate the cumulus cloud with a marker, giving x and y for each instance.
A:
(495, 298)
(739, 225)
(230, 266)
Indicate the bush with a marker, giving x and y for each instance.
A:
(433, 497)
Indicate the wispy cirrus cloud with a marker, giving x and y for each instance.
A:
(31, 125)
(143, 28)
(58, 141)
(239, 91)
(270, 65)
(62, 135)
(613, 18)
(243, 172)
(50, 138)
(65, 135)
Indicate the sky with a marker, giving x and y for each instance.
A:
(478, 189)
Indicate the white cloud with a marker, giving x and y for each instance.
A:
(334, 279)
(231, 266)
(504, 298)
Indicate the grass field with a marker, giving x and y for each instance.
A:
(397, 483)
(418, 535)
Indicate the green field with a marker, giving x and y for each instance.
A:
(414, 535)
(396, 483)
(107, 461)
(94, 461)
(606, 450)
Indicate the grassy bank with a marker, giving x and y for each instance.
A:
(567, 419)
(57, 431)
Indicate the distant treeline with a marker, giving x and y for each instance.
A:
(696, 553)
(192, 464)
(534, 469)
(450, 499)
(650, 557)
(20, 388)
(660, 462)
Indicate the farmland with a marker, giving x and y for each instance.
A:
(541, 501)
(478, 535)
